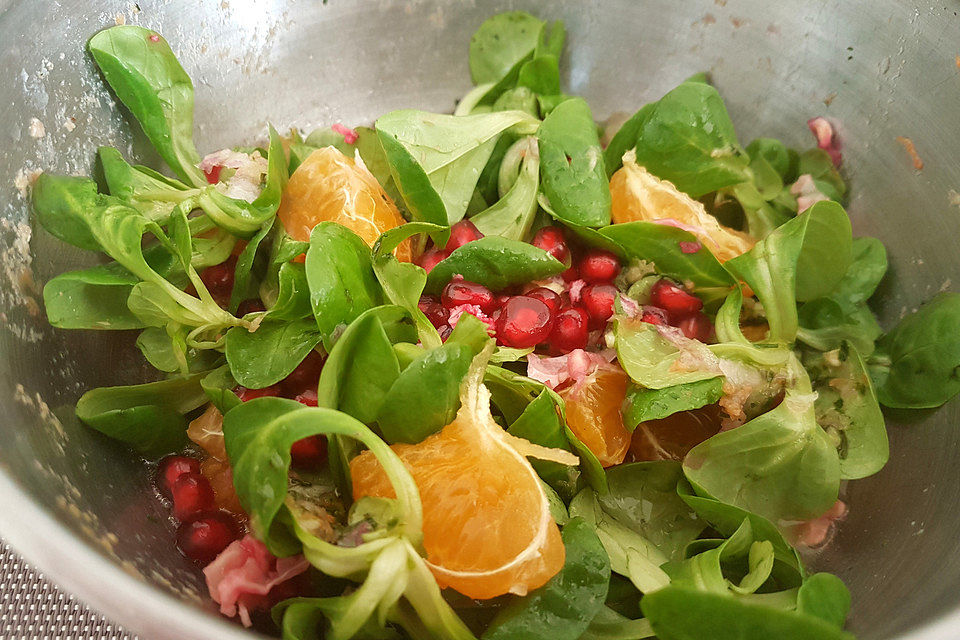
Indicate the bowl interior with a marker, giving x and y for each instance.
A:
(81, 506)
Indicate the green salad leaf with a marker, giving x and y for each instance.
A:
(643, 404)
(571, 164)
(266, 356)
(340, 275)
(496, 263)
(150, 417)
(918, 364)
(146, 76)
(563, 608)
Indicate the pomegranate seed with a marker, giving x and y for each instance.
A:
(309, 453)
(246, 395)
(305, 376)
(205, 535)
(697, 327)
(553, 241)
(654, 315)
(171, 468)
(459, 292)
(548, 297)
(599, 266)
(192, 494)
(524, 322)
(460, 234)
(436, 313)
(598, 300)
(570, 330)
(219, 279)
(677, 302)
(431, 258)
(308, 397)
(213, 175)
(251, 305)
(570, 274)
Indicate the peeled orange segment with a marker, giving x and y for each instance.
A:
(638, 195)
(487, 528)
(330, 187)
(594, 414)
(671, 438)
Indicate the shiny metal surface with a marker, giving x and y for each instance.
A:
(80, 507)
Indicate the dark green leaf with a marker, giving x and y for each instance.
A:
(512, 215)
(825, 323)
(219, 385)
(625, 138)
(687, 138)
(60, 202)
(571, 165)
(293, 293)
(819, 165)
(682, 613)
(923, 356)
(660, 244)
(426, 395)
(341, 279)
(266, 356)
(94, 298)
(562, 608)
(146, 76)
(496, 263)
(541, 423)
(243, 285)
(149, 417)
(502, 42)
(541, 75)
(824, 596)
(867, 269)
(652, 404)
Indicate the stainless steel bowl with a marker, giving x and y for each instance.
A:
(80, 507)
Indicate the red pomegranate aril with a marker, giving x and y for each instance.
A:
(219, 279)
(570, 330)
(524, 322)
(598, 300)
(192, 494)
(547, 296)
(436, 313)
(553, 241)
(305, 376)
(213, 174)
(674, 300)
(697, 327)
(432, 257)
(460, 292)
(246, 395)
(250, 305)
(309, 453)
(460, 234)
(599, 266)
(570, 275)
(308, 397)
(171, 468)
(654, 315)
(205, 535)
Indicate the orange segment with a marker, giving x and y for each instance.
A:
(331, 187)
(207, 431)
(487, 528)
(671, 438)
(594, 414)
(638, 195)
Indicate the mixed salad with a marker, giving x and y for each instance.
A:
(501, 373)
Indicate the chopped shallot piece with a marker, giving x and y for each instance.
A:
(349, 135)
(573, 366)
(576, 287)
(242, 576)
(817, 532)
(475, 311)
(806, 192)
(245, 183)
(826, 138)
